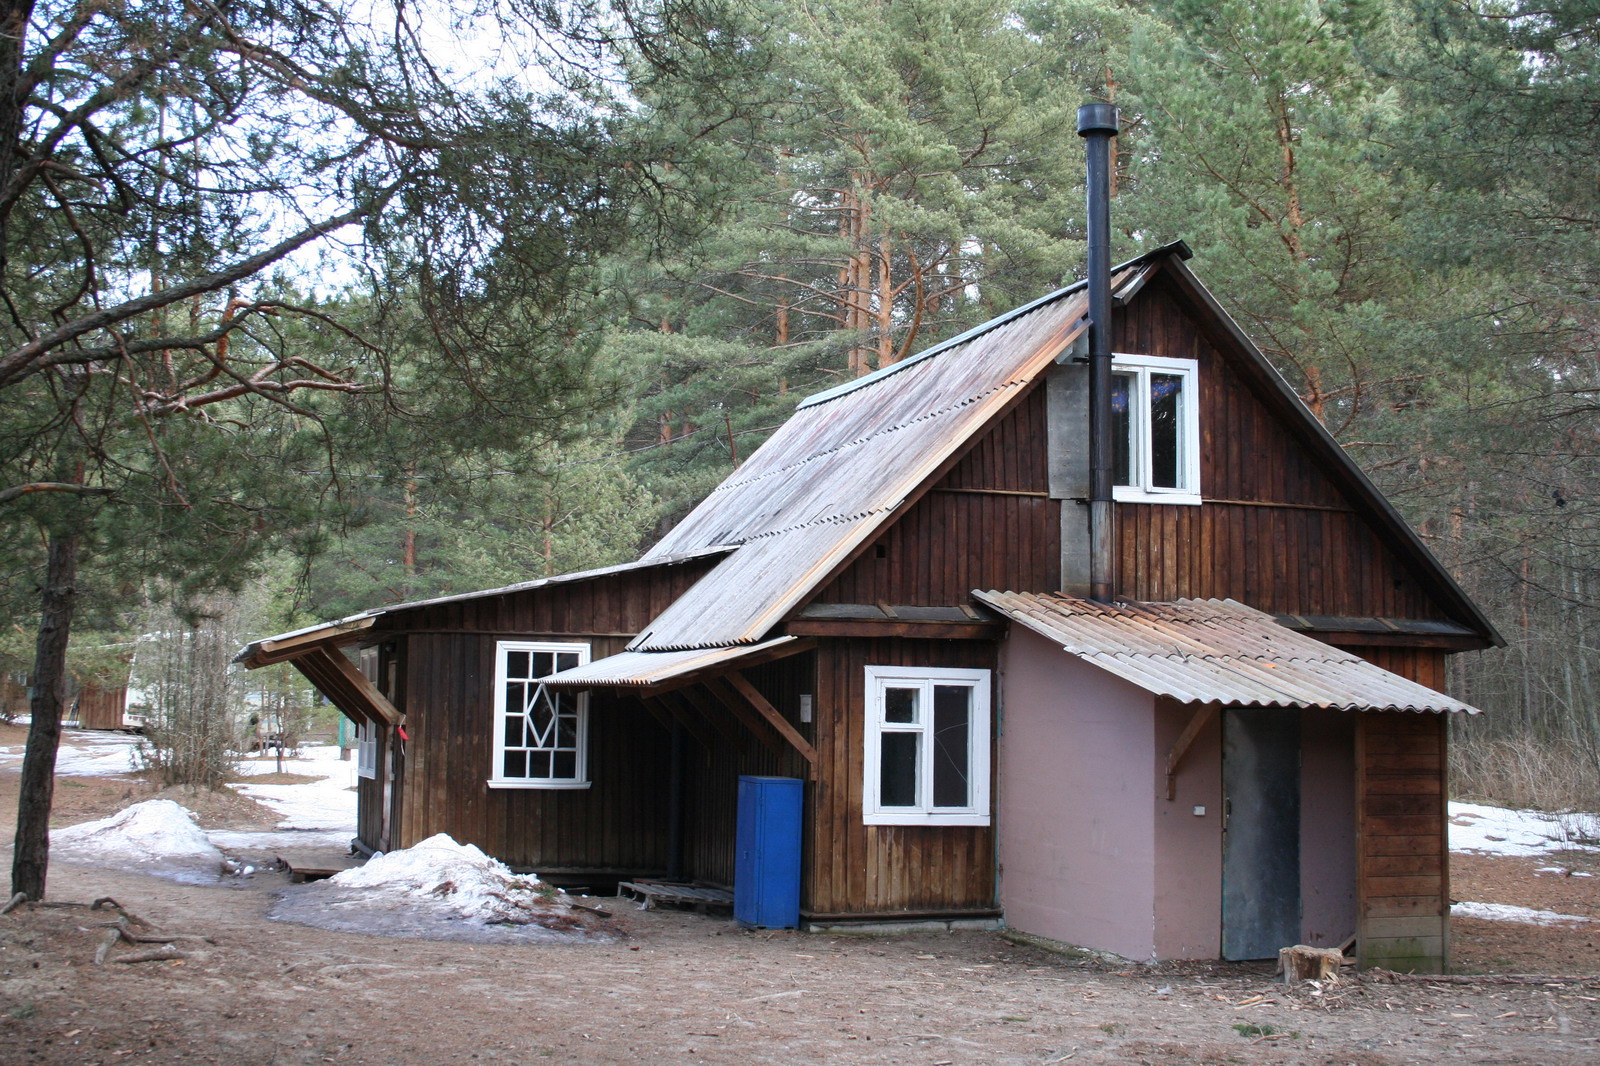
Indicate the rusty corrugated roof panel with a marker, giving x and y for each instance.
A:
(841, 465)
(1216, 651)
(645, 669)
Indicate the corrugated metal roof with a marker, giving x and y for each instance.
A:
(1216, 651)
(841, 465)
(364, 620)
(644, 669)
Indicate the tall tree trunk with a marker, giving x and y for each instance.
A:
(32, 854)
(14, 17)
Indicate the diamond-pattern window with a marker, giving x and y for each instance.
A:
(541, 733)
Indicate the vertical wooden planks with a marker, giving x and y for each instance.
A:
(1402, 857)
(884, 870)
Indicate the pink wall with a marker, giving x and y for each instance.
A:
(1327, 827)
(1077, 841)
(1188, 870)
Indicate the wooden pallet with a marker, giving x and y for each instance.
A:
(700, 897)
(315, 865)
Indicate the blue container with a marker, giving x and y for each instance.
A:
(766, 873)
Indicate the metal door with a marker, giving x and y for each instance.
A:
(1261, 832)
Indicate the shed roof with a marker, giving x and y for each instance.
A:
(1215, 651)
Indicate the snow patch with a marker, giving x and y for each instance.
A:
(1505, 912)
(327, 804)
(1488, 830)
(157, 836)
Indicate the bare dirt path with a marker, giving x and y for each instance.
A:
(683, 988)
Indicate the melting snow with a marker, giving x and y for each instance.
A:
(157, 836)
(440, 889)
(1500, 831)
(454, 877)
(326, 804)
(1505, 912)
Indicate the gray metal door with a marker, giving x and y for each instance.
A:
(1261, 832)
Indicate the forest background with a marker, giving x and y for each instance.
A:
(310, 306)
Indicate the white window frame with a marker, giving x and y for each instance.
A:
(1139, 457)
(979, 750)
(367, 749)
(503, 650)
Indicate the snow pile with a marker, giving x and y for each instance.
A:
(1499, 831)
(461, 880)
(157, 836)
(1505, 912)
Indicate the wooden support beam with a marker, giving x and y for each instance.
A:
(691, 723)
(1180, 747)
(773, 716)
(712, 712)
(742, 710)
(663, 719)
(346, 686)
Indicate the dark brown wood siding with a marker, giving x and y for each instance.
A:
(884, 870)
(1403, 853)
(614, 605)
(1402, 856)
(987, 524)
(445, 674)
(1276, 531)
(618, 823)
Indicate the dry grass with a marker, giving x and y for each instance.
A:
(1524, 773)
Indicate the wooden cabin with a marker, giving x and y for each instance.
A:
(1245, 751)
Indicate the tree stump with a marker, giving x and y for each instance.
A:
(1305, 963)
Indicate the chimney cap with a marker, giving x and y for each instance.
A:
(1097, 118)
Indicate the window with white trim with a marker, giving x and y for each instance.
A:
(541, 734)
(927, 746)
(367, 749)
(1155, 429)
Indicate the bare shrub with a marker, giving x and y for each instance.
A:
(1523, 772)
(192, 735)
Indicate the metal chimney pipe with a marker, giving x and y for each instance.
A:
(1097, 124)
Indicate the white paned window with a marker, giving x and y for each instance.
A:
(927, 756)
(541, 735)
(1155, 429)
(366, 749)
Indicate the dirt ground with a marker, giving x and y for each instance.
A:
(685, 988)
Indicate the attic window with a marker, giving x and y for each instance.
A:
(1155, 429)
(927, 747)
(541, 735)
